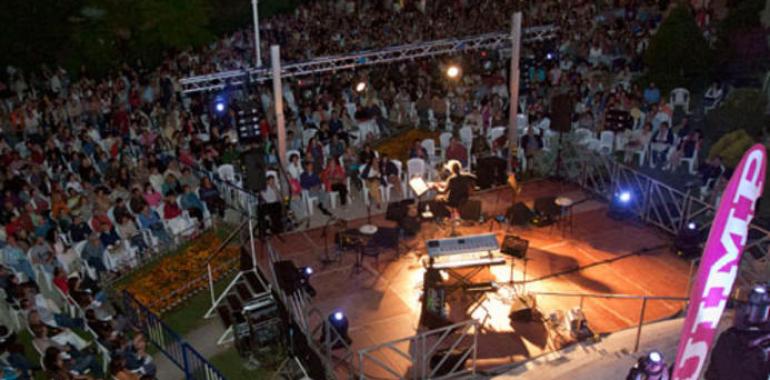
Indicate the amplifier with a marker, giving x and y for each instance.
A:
(515, 246)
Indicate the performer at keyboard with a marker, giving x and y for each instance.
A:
(456, 190)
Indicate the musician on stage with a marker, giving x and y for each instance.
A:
(456, 190)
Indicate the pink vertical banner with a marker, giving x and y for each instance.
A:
(719, 264)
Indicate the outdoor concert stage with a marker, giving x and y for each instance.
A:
(382, 301)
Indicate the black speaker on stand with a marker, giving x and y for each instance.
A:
(561, 121)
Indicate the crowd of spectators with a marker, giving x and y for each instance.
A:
(100, 173)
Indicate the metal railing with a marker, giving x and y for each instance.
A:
(180, 353)
(660, 204)
(642, 309)
(428, 355)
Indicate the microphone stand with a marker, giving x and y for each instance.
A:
(326, 260)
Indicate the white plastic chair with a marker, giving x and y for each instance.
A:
(308, 201)
(308, 134)
(444, 143)
(680, 97)
(415, 167)
(430, 147)
(606, 142)
(692, 162)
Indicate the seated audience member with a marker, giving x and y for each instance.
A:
(14, 353)
(209, 194)
(62, 365)
(152, 196)
(127, 230)
(638, 141)
(711, 169)
(334, 179)
(372, 179)
(176, 222)
(93, 254)
(190, 202)
(662, 141)
(79, 230)
(417, 151)
(311, 182)
(38, 310)
(713, 95)
(457, 151)
(150, 220)
(687, 148)
(14, 257)
(391, 175)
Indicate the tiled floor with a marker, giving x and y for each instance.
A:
(382, 301)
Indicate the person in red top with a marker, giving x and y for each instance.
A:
(333, 177)
(170, 209)
(457, 151)
(60, 280)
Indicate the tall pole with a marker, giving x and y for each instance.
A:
(513, 135)
(275, 61)
(257, 44)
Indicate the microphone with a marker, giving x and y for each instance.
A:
(323, 209)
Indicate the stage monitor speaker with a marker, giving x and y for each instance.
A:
(515, 246)
(561, 113)
(546, 206)
(453, 359)
(471, 210)
(519, 214)
(288, 276)
(522, 309)
(397, 210)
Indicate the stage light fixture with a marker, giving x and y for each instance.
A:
(338, 322)
(688, 241)
(304, 280)
(625, 196)
(621, 205)
(650, 366)
(361, 86)
(453, 71)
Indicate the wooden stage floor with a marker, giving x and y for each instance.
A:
(382, 301)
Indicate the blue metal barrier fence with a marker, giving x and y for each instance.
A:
(190, 362)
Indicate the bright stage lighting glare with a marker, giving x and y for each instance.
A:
(338, 316)
(453, 71)
(308, 271)
(625, 197)
(220, 107)
(655, 357)
(361, 86)
(692, 225)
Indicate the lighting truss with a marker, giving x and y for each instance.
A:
(236, 78)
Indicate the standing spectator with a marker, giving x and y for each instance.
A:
(390, 175)
(532, 145)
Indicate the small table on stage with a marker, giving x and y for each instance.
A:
(566, 218)
(376, 238)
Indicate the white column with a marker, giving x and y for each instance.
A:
(257, 44)
(275, 61)
(513, 135)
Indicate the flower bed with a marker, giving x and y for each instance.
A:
(176, 277)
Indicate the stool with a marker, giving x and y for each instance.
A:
(566, 218)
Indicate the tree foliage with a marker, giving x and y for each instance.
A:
(744, 110)
(679, 55)
(100, 33)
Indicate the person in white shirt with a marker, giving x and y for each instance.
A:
(270, 206)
